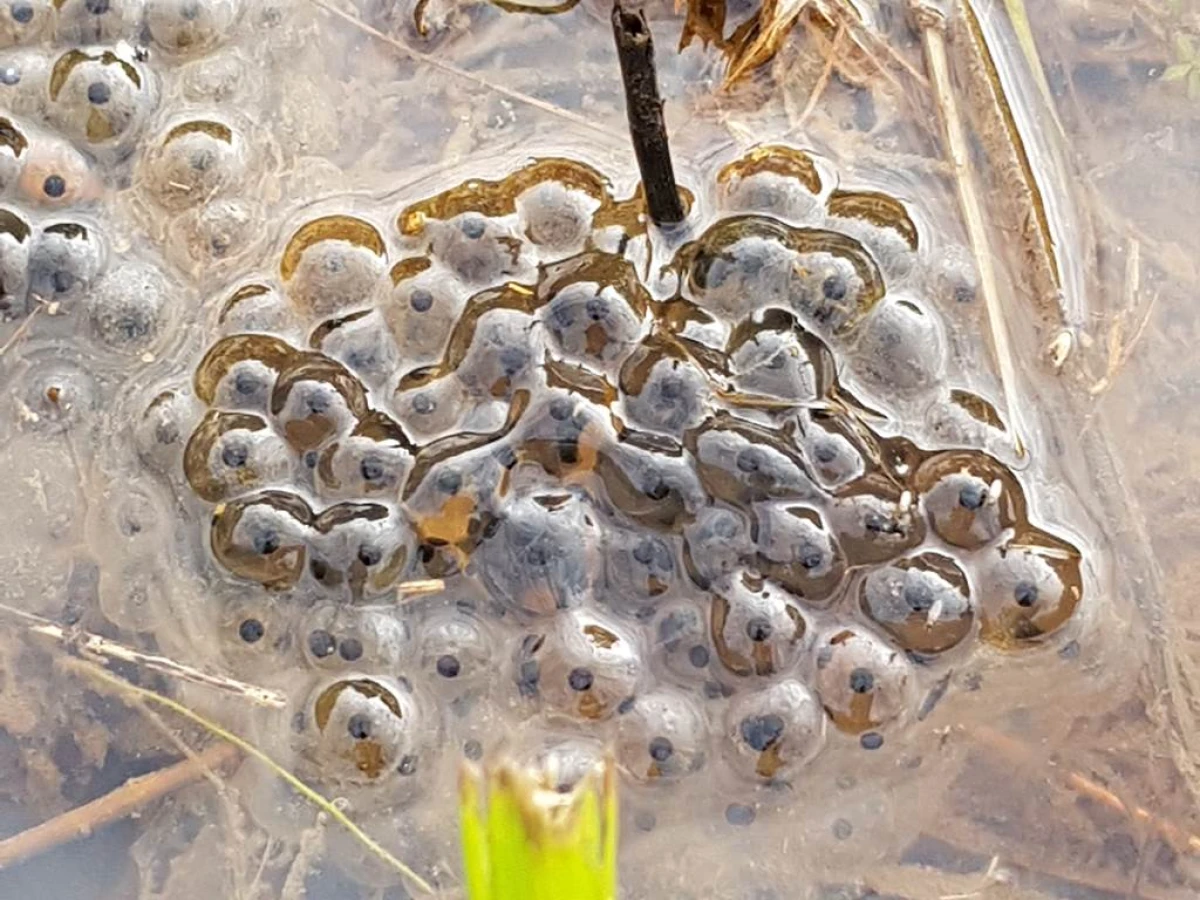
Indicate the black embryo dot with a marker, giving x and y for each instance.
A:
(580, 679)
(251, 631)
(54, 186)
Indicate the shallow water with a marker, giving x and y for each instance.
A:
(302, 320)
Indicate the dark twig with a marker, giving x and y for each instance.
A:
(635, 49)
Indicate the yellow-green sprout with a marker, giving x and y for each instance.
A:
(524, 840)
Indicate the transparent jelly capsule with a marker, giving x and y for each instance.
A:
(431, 410)
(680, 640)
(346, 638)
(24, 21)
(951, 278)
(55, 395)
(882, 224)
(563, 436)
(364, 465)
(774, 363)
(161, 431)
(130, 307)
(777, 180)
(218, 233)
(316, 401)
(875, 523)
(661, 737)
(426, 302)
(456, 650)
(55, 175)
(835, 459)
(64, 262)
(543, 555)
(478, 250)
(255, 307)
(364, 546)
(1029, 588)
(194, 160)
(757, 629)
(639, 569)
(741, 264)
(864, 683)
(664, 393)
(716, 543)
(555, 217)
(263, 537)
(23, 76)
(99, 98)
(743, 464)
(830, 293)
(584, 665)
(98, 21)
(654, 490)
(255, 632)
(797, 550)
(360, 341)
(216, 375)
(365, 731)
(971, 499)
(900, 348)
(505, 355)
(230, 453)
(190, 26)
(923, 602)
(773, 732)
(16, 242)
(333, 264)
(592, 322)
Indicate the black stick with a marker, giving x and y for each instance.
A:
(635, 49)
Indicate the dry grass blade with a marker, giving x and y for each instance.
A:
(125, 800)
(772, 24)
(103, 647)
(932, 25)
(478, 80)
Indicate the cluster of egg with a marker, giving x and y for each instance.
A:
(661, 512)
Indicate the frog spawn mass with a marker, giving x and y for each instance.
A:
(672, 512)
(659, 513)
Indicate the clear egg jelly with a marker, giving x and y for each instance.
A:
(729, 498)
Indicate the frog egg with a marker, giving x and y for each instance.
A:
(562, 436)
(541, 557)
(192, 161)
(363, 466)
(757, 629)
(365, 546)
(745, 465)
(652, 490)
(772, 733)
(774, 363)
(584, 666)
(98, 21)
(16, 242)
(234, 453)
(23, 77)
(561, 758)
(556, 218)
(255, 633)
(220, 80)
(55, 175)
(190, 26)
(951, 278)
(662, 737)
(129, 308)
(263, 537)
(64, 262)
(970, 499)
(749, 272)
(247, 386)
(215, 234)
(478, 250)
(900, 348)
(834, 460)
(99, 98)
(316, 402)
(130, 593)
(1029, 588)
(796, 550)
(217, 373)
(885, 230)
(669, 395)
(877, 524)
(344, 638)
(505, 354)
(127, 528)
(333, 264)
(592, 324)
(923, 602)
(423, 311)
(359, 341)
(56, 396)
(828, 293)
(363, 732)
(255, 307)
(161, 429)
(639, 569)
(715, 544)
(456, 651)
(14, 148)
(774, 194)
(24, 21)
(864, 683)
(681, 643)
(432, 409)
